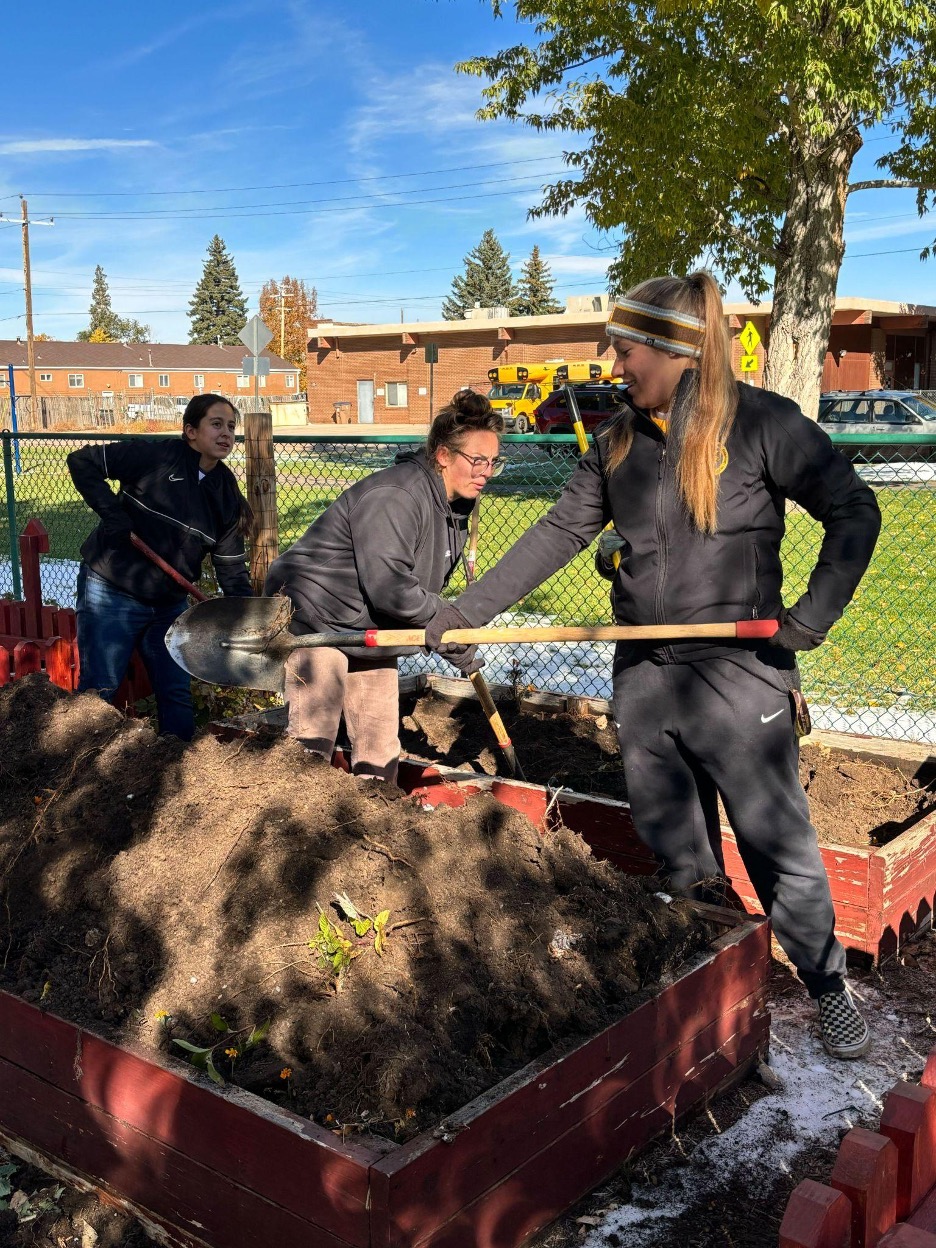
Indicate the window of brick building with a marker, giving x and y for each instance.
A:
(45, 376)
(198, 380)
(135, 381)
(396, 394)
(164, 381)
(290, 381)
(76, 381)
(243, 383)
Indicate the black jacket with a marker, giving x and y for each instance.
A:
(669, 572)
(377, 557)
(180, 517)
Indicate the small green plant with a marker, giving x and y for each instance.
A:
(201, 1056)
(335, 949)
(364, 924)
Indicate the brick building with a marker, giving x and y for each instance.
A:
(138, 373)
(379, 372)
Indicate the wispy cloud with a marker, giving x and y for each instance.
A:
(893, 229)
(29, 147)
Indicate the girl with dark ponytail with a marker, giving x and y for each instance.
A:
(694, 475)
(379, 557)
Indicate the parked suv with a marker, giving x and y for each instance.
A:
(596, 403)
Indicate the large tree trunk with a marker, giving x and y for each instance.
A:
(811, 246)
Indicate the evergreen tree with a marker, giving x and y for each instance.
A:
(104, 323)
(300, 307)
(535, 288)
(218, 309)
(486, 282)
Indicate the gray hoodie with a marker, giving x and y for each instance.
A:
(377, 557)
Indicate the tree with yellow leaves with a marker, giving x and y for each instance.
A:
(287, 308)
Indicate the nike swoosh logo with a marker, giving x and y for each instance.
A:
(765, 719)
(172, 478)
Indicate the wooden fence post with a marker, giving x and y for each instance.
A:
(261, 494)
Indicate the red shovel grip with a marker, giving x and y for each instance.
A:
(757, 628)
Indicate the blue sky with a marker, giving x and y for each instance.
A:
(305, 134)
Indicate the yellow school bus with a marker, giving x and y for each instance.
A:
(581, 370)
(517, 390)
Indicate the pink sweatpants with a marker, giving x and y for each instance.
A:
(322, 683)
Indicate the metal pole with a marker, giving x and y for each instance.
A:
(431, 382)
(13, 419)
(11, 515)
(256, 359)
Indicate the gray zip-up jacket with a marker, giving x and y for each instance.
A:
(378, 557)
(672, 574)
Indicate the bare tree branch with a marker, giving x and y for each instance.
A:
(881, 184)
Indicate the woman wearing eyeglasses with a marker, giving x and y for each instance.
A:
(379, 557)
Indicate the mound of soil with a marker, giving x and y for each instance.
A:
(852, 801)
(157, 891)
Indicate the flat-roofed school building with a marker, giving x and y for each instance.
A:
(379, 374)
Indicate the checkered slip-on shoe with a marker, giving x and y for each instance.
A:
(844, 1032)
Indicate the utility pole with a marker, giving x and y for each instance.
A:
(283, 298)
(27, 290)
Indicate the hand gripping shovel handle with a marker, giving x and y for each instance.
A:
(168, 569)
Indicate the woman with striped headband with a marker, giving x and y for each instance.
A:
(694, 474)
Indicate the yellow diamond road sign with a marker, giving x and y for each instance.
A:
(748, 363)
(749, 339)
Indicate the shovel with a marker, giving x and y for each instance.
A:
(245, 641)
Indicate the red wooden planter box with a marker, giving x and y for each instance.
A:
(882, 895)
(225, 1168)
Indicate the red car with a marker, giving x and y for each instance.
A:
(596, 403)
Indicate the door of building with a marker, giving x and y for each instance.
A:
(365, 402)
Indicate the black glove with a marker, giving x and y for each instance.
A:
(117, 528)
(610, 543)
(792, 635)
(465, 658)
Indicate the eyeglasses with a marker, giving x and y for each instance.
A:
(480, 463)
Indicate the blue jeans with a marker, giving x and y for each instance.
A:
(110, 624)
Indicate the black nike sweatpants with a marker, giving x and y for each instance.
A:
(689, 731)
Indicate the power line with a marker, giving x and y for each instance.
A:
(233, 211)
(283, 186)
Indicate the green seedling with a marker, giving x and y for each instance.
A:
(335, 951)
(201, 1056)
(364, 924)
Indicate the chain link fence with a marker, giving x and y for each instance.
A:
(875, 674)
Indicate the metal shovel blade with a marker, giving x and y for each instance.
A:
(215, 641)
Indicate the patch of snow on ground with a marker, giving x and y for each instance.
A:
(819, 1099)
(583, 669)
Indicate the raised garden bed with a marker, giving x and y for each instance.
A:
(149, 888)
(226, 1168)
(884, 893)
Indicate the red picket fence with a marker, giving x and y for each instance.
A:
(39, 638)
(882, 1191)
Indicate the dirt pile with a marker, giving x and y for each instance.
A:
(852, 801)
(158, 892)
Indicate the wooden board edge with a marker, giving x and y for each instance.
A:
(160, 1233)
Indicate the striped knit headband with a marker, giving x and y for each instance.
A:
(663, 328)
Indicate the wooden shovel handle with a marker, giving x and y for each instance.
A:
(745, 629)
